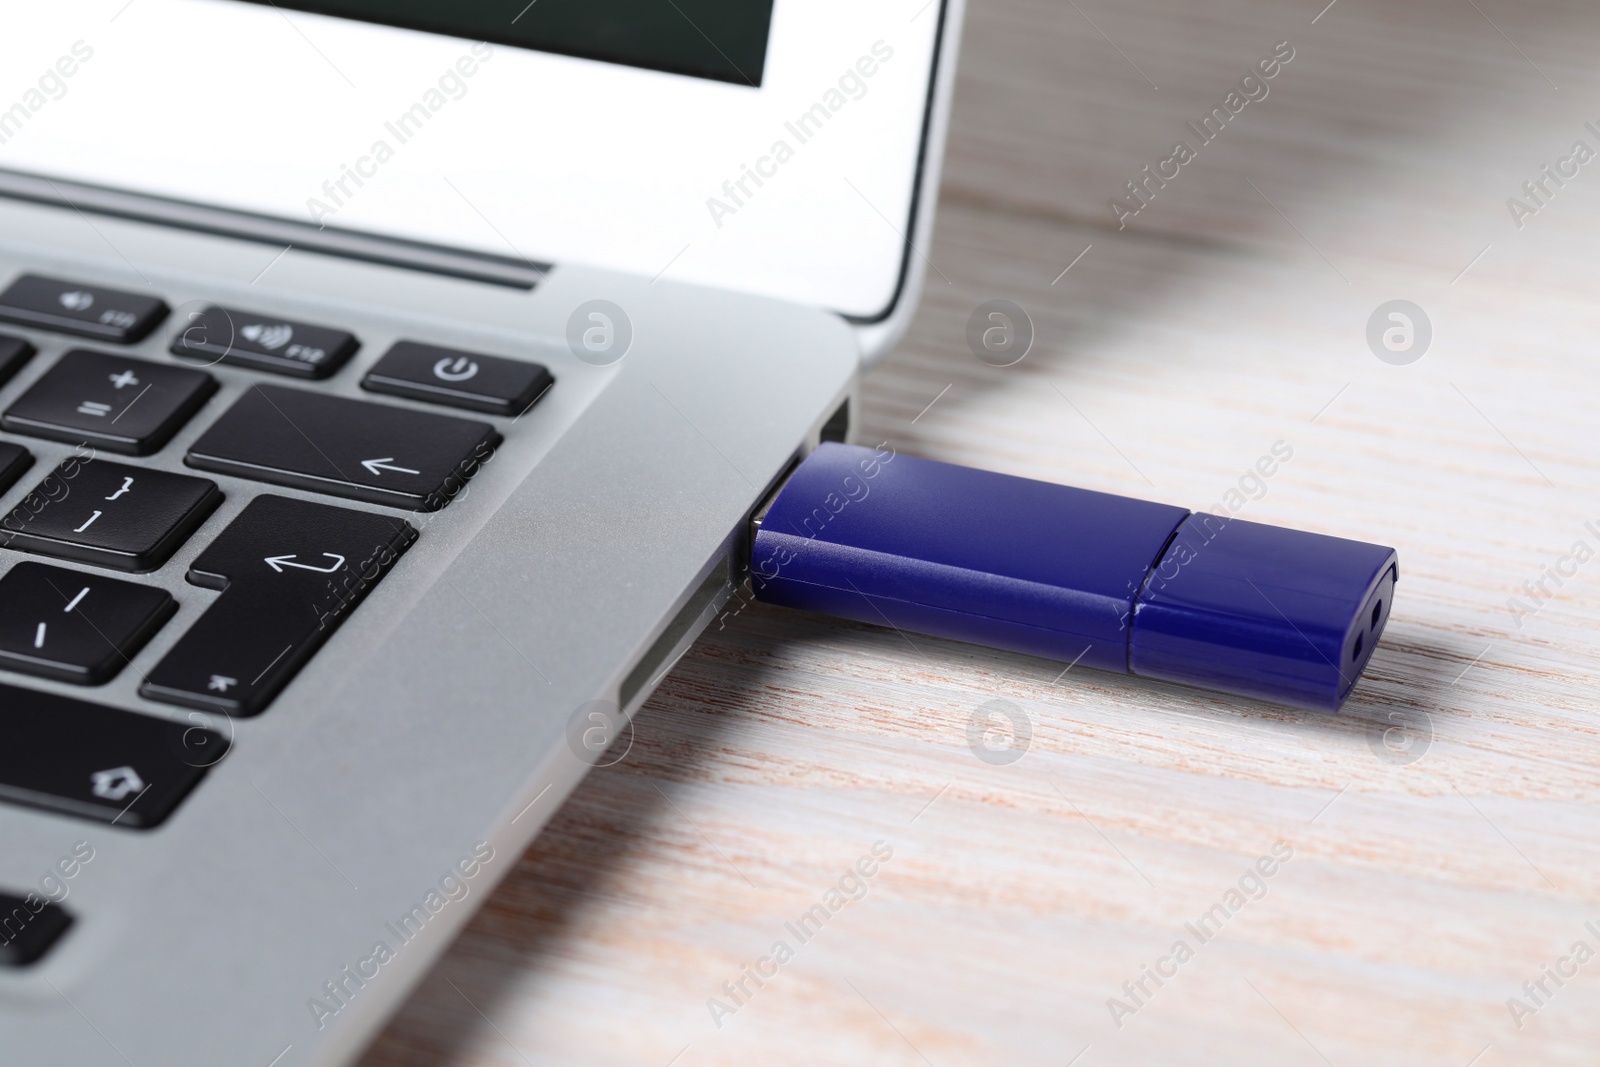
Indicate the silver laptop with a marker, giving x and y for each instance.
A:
(385, 391)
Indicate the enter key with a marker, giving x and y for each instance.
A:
(290, 571)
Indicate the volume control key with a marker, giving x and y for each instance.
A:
(264, 342)
(82, 310)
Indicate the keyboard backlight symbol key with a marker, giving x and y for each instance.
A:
(76, 300)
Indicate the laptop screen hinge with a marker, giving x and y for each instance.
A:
(508, 271)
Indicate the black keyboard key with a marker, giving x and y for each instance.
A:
(77, 628)
(460, 379)
(109, 515)
(119, 404)
(350, 448)
(82, 310)
(290, 570)
(14, 462)
(70, 756)
(14, 353)
(264, 342)
(29, 926)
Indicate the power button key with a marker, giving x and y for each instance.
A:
(491, 384)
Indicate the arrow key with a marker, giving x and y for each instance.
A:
(290, 571)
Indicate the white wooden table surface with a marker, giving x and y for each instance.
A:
(1442, 832)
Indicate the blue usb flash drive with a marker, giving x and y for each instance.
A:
(1089, 578)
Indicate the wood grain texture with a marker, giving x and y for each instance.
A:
(1443, 829)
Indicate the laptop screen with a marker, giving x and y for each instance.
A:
(721, 39)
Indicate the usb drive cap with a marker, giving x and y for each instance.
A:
(1263, 611)
(1084, 577)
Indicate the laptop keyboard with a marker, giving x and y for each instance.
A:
(289, 571)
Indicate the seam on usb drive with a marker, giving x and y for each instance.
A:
(1149, 573)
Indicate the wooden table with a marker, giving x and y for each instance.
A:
(1441, 833)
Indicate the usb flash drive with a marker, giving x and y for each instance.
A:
(1083, 577)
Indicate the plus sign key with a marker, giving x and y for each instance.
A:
(114, 403)
(289, 571)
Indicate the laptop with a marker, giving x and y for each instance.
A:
(386, 388)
